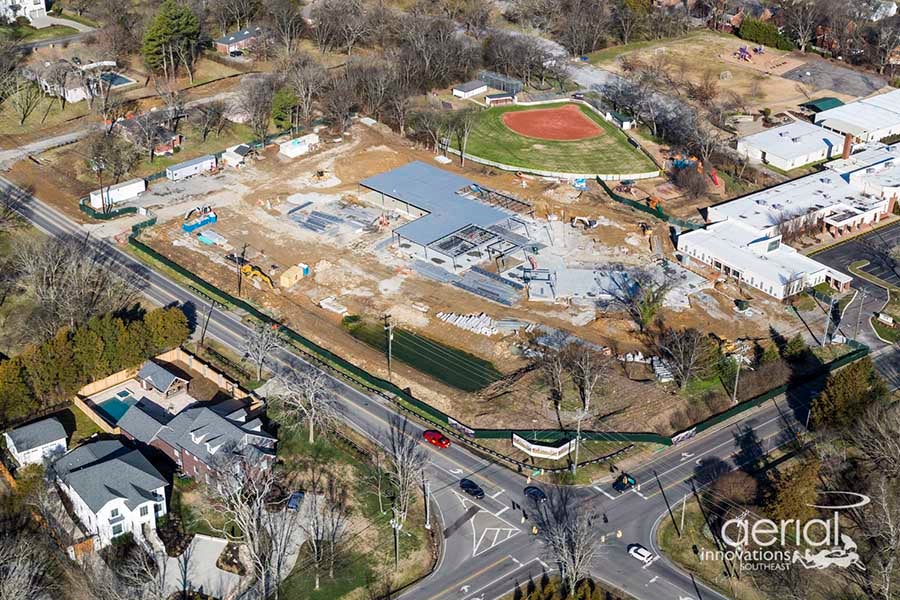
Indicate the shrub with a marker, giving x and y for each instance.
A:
(760, 32)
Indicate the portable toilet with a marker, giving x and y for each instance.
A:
(304, 269)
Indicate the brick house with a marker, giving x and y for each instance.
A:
(150, 128)
(238, 40)
(197, 437)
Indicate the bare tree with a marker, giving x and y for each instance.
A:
(462, 123)
(286, 21)
(553, 368)
(571, 540)
(72, 280)
(110, 158)
(325, 519)
(689, 353)
(628, 20)
(248, 499)
(875, 435)
(433, 122)
(306, 400)
(882, 39)
(802, 17)
(640, 294)
(256, 101)
(210, 117)
(260, 344)
(24, 96)
(588, 367)
(339, 102)
(308, 79)
(406, 460)
(26, 570)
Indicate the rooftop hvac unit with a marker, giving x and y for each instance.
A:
(796, 140)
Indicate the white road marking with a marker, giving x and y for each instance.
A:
(653, 580)
(512, 558)
(464, 589)
(543, 564)
(604, 492)
(456, 471)
(638, 493)
(685, 456)
(501, 511)
(494, 496)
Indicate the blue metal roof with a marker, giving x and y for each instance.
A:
(434, 190)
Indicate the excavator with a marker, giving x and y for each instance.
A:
(256, 274)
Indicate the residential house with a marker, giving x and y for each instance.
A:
(10, 10)
(154, 376)
(33, 443)
(150, 130)
(197, 438)
(113, 490)
(238, 40)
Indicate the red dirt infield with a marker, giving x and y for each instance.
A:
(565, 123)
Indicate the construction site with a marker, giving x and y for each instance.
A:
(469, 267)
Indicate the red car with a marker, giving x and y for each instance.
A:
(436, 438)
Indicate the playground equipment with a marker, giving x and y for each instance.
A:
(256, 274)
(743, 54)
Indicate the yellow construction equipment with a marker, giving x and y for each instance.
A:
(256, 274)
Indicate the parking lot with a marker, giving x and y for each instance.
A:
(823, 75)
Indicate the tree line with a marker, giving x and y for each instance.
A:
(46, 375)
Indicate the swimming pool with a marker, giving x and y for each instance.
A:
(113, 408)
(114, 79)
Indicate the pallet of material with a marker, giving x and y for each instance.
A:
(481, 323)
(332, 305)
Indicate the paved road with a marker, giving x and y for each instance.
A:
(487, 548)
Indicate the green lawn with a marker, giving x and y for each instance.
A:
(194, 147)
(27, 33)
(446, 364)
(891, 334)
(610, 153)
(47, 114)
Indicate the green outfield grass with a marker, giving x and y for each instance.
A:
(607, 154)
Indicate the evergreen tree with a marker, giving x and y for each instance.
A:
(88, 351)
(794, 492)
(16, 397)
(170, 37)
(796, 348)
(283, 104)
(847, 393)
(167, 327)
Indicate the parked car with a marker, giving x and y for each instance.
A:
(436, 438)
(623, 483)
(535, 494)
(640, 553)
(471, 488)
(578, 96)
(293, 503)
(235, 53)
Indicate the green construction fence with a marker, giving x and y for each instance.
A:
(657, 212)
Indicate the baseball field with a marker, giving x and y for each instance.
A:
(561, 138)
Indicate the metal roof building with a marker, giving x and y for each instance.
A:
(791, 146)
(869, 120)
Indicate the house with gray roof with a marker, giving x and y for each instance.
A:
(198, 437)
(33, 443)
(113, 490)
(154, 376)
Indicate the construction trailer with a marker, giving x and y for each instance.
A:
(299, 146)
(192, 167)
(114, 194)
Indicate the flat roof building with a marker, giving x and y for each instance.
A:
(745, 237)
(791, 146)
(868, 120)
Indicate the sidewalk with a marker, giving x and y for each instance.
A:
(48, 21)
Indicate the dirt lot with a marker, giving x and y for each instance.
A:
(761, 80)
(360, 268)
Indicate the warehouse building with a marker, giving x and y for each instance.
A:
(791, 146)
(744, 238)
(868, 120)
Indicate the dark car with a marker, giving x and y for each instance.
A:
(235, 53)
(294, 501)
(535, 494)
(471, 488)
(623, 483)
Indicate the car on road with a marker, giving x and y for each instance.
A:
(623, 483)
(293, 503)
(471, 488)
(640, 553)
(535, 494)
(436, 438)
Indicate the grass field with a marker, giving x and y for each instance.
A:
(448, 365)
(27, 33)
(609, 153)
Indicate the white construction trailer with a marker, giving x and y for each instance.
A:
(299, 146)
(190, 168)
(114, 194)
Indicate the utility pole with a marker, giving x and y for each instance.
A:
(389, 328)
(739, 359)
(239, 262)
(828, 322)
(427, 503)
(212, 305)
(859, 314)
(683, 510)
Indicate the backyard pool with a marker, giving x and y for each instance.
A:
(115, 80)
(113, 408)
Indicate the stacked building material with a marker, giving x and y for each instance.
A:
(481, 323)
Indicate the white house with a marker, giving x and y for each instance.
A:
(113, 490)
(868, 120)
(30, 9)
(469, 89)
(744, 238)
(33, 443)
(791, 146)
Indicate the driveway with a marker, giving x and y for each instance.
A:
(198, 567)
